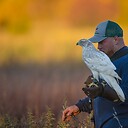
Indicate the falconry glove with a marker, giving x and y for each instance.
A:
(93, 89)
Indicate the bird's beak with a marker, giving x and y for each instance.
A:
(77, 43)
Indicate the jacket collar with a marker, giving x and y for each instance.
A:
(122, 52)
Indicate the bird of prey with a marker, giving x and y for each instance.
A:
(101, 66)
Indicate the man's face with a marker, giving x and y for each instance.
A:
(107, 46)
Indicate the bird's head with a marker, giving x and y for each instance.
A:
(84, 43)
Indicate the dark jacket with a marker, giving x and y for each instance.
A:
(105, 110)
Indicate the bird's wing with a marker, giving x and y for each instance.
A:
(100, 63)
(98, 60)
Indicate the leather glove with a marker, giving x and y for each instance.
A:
(93, 88)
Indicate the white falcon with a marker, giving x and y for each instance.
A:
(101, 66)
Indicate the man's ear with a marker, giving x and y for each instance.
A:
(116, 38)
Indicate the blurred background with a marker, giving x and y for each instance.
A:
(40, 64)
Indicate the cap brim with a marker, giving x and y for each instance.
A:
(96, 39)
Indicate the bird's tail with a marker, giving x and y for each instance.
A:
(114, 84)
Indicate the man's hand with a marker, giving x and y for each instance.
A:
(69, 112)
(91, 82)
(93, 91)
(92, 88)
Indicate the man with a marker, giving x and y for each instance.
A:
(109, 111)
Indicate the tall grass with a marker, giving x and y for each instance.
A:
(26, 91)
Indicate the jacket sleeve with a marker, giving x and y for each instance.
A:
(84, 105)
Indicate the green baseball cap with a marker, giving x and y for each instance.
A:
(106, 29)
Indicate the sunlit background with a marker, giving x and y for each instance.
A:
(40, 64)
